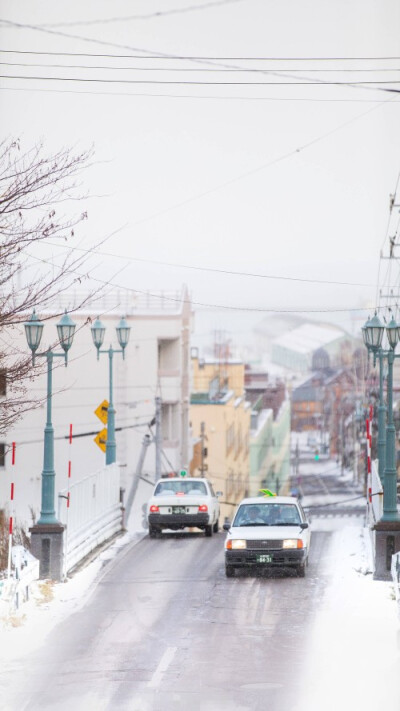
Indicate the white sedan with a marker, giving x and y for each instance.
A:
(267, 532)
(178, 503)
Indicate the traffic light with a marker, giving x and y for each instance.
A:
(316, 454)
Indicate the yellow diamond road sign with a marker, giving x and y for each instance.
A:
(101, 439)
(102, 411)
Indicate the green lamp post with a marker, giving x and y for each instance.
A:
(123, 331)
(373, 335)
(47, 533)
(387, 529)
(33, 331)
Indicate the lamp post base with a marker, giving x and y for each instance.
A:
(47, 544)
(387, 542)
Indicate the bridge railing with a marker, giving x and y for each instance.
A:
(94, 513)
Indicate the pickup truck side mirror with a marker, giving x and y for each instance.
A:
(226, 526)
(304, 525)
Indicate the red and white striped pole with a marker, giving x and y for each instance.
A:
(68, 502)
(368, 423)
(69, 465)
(10, 526)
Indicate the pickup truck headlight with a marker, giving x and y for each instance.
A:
(235, 544)
(292, 543)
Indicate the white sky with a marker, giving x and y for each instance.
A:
(219, 182)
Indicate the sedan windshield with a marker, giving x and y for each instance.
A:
(192, 488)
(267, 515)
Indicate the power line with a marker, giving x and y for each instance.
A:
(215, 306)
(207, 269)
(113, 44)
(168, 82)
(194, 96)
(213, 70)
(156, 14)
(198, 57)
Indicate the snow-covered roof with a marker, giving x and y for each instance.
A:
(308, 338)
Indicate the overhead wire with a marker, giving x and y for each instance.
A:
(190, 57)
(217, 306)
(156, 14)
(207, 269)
(195, 97)
(170, 82)
(213, 70)
(146, 52)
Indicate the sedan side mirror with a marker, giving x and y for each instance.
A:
(219, 493)
(304, 525)
(226, 526)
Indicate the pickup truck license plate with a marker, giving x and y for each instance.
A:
(264, 559)
(178, 510)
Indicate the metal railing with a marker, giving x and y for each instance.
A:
(395, 570)
(93, 516)
(119, 301)
(374, 496)
(14, 590)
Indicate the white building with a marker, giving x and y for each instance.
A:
(157, 364)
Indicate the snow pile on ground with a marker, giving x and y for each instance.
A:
(354, 653)
(26, 629)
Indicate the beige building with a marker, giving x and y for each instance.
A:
(221, 419)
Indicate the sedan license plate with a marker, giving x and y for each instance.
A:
(178, 510)
(264, 559)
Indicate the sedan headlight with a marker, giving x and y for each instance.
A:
(293, 543)
(235, 544)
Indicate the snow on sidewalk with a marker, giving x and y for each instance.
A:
(353, 657)
(50, 603)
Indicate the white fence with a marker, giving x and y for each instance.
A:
(395, 570)
(375, 496)
(15, 590)
(94, 513)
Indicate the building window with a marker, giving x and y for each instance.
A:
(2, 454)
(3, 383)
(170, 421)
(230, 438)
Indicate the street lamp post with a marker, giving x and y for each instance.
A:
(123, 332)
(388, 528)
(375, 347)
(47, 533)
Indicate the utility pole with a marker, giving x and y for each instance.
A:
(147, 440)
(158, 438)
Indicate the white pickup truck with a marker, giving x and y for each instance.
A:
(179, 503)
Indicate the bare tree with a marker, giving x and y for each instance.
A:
(36, 191)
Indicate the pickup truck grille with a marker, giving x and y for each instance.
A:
(263, 545)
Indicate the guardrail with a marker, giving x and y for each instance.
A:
(94, 513)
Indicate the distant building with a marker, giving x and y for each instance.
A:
(270, 433)
(323, 402)
(220, 421)
(297, 350)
